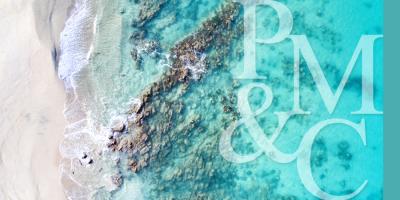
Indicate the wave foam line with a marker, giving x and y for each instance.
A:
(75, 45)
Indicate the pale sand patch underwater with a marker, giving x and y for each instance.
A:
(32, 99)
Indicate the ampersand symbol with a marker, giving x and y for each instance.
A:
(303, 153)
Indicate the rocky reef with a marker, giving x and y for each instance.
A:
(168, 137)
(134, 136)
(167, 134)
(146, 12)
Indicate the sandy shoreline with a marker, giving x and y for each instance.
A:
(32, 99)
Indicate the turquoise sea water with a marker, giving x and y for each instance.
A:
(188, 164)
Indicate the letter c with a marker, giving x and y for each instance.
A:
(304, 156)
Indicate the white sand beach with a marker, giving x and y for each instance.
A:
(31, 100)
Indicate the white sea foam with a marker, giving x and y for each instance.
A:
(89, 98)
(81, 136)
(195, 64)
(145, 49)
(76, 38)
(165, 62)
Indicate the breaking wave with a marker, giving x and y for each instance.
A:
(86, 172)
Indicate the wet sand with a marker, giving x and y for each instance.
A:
(31, 100)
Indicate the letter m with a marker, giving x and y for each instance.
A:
(365, 46)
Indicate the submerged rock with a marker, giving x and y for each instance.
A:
(134, 54)
(144, 150)
(227, 109)
(212, 171)
(187, 142)
(147, 11)
(119, 128)
(139, 107)
(132, 162)
(182, 148)
(136, 38)
(117, 180)
(235, 84)
(111, 143)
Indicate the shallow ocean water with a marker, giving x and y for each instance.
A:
(111, 81)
